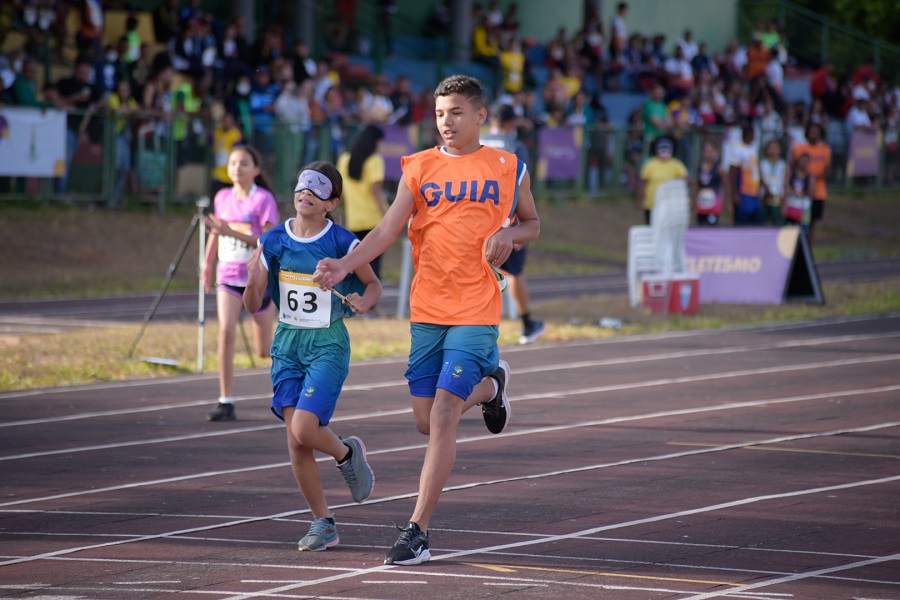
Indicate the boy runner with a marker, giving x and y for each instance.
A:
(458, 200)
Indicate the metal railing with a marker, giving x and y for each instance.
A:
(172, 162)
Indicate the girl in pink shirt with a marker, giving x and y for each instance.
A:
(242, 213)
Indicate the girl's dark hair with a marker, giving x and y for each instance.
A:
(260, 180)
(363, 147)
(820, 127)
(330, 171)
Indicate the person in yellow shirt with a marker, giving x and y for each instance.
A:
(661, 168)
(362, 169)
(512, 64)
(484, 43)
(226, 136)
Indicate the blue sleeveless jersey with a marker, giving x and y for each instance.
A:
(283, 250)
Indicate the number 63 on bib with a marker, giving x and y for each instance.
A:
(303, 304)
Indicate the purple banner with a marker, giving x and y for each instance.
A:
(745, 265)
(398, 141)
(559, 155)
(864, 155)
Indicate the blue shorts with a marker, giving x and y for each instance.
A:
(515, 264)
(451, 357)
(749, 211)
(309, 367)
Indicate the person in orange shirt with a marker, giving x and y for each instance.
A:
(757, 60)
(458, 200)
(819, 170)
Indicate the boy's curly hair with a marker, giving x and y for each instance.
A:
(465, 86)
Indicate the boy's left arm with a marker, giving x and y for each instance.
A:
(501, 244)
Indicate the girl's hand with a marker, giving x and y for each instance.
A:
(218, 226)
(357, 303)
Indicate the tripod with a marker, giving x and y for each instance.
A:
(196, 221)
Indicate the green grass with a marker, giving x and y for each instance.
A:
(65, 251)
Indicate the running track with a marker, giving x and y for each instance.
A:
(755, 463)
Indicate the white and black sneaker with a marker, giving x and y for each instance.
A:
(532, 331)
(496, 411)
(411, 547)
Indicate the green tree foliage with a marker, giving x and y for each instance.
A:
(877, 18)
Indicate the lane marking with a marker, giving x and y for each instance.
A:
(418, 571)
(517, 555)
(524, 370)
(710, 351)
(531, 431)
(181, 379)
(799, 576)
(369, 415)
(594, 530)
(797, 450)
(549, 429)
(514, 568)
(520, 478)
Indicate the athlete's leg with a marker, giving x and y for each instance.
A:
(229, 307)
(440, 456)
(310, 433)
(264, 330)
(485, 390)
(304, 466)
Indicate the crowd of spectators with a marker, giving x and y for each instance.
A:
(196, 68)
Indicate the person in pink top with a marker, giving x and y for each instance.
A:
(242, 213)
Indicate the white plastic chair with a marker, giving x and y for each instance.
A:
(670, 219)
(658, 249)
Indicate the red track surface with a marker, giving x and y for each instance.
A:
(755, 463)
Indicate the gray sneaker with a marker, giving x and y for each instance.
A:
(322, 534)
(356, 471)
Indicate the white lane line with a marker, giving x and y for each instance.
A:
(555, 394)
(595, 530)
(470, 485)
(393, 582)
(710, 351)
(543, 368)
(725, 375)
(611, 562)
(158, 582)
(784, 326)
(196, 436)
(799, 576)
(531, 431)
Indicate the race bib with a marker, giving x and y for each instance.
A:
(303, 304)
(232, 249)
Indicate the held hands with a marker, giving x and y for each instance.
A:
(329, 272)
